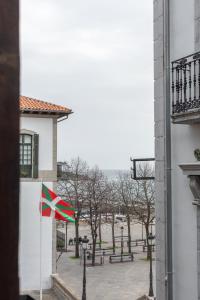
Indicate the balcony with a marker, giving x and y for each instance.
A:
(186, 90)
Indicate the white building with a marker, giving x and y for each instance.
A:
(38, 162)
(177, 135)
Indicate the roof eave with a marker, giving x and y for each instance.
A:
(59, 114)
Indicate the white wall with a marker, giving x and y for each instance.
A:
(43, 127)
(184, 140)
(182, 28)
(30, 192)
(29, 261)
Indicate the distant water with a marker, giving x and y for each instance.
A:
(112, 174)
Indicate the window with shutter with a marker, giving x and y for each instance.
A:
(25, 155)
(29, 155)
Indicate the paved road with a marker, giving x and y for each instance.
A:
(120, 281)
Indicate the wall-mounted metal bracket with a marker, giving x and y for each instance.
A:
(137, 163)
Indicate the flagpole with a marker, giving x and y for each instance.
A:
(41, 240)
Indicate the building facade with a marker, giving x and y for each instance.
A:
(38, 163)
(177, 135)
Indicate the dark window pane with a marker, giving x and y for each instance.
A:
(26, 171)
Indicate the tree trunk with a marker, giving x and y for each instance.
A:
(129, 233)
(142, 231)
(113, 231)
(94, 240)
(106, 211)
(100, 239)
(148, 247)
(77, 238)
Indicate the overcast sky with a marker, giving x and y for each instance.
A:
(95, 57)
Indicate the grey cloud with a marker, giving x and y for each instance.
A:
(97, 58)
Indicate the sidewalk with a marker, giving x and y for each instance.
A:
(127, 281)
(117, 281)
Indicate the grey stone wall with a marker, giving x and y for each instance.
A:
(197, 48)
(159, 117)
(198, 249)
(197, 25)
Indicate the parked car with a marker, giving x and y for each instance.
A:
(120, 218)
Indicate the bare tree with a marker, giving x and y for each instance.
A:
(112, 203)
(72, 185)
(126, 197)
(96, 192)
(144, 200)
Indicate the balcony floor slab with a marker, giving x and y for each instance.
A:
(190, 117)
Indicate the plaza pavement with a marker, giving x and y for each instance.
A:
(119, 281)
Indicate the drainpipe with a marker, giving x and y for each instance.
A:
(167, 94)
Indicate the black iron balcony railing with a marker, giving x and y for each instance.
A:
(186, 84)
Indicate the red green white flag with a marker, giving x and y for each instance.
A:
(54, 206)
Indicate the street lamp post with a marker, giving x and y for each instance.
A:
(122, 241)
(137, 176)
(151, 293)
(66, 236)
(76, 233)
(84, 247)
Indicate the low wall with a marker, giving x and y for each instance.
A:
(146, 298)
(62, 292)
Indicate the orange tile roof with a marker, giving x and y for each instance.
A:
(30, 105)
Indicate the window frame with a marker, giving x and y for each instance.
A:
(28, 145)
(34, 174)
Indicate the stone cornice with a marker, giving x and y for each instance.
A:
(191, 169)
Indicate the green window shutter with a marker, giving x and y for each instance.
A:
(35, 155)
